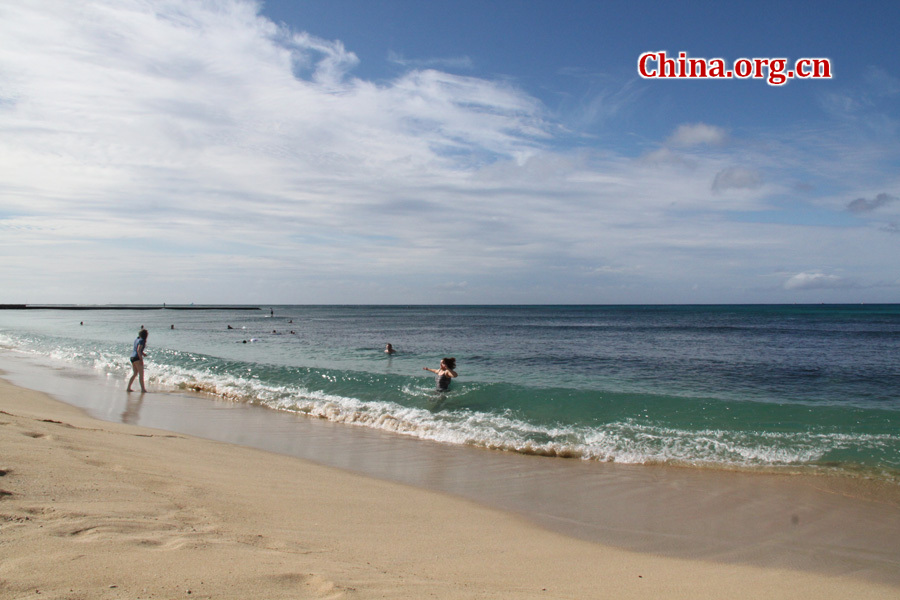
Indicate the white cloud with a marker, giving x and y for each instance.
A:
(697, 134)
(814, 281)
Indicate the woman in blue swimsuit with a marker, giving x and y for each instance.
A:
(444, 374)
(137, 359)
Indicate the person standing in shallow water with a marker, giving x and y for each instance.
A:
(444, 374)
(137, 359)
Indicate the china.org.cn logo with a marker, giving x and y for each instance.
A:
(658, 65)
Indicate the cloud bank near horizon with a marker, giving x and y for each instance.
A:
(201, 152)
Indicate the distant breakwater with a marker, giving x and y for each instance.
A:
(122, 307)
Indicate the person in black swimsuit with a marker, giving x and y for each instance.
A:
(444, 374)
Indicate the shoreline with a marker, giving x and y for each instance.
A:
(656, 409)
(830, 526)
(111, 510)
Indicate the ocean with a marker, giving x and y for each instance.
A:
(805, 389)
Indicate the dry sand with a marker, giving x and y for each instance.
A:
(92, 509)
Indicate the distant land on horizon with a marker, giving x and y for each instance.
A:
(248, 307)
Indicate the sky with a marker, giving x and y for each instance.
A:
(444, 152)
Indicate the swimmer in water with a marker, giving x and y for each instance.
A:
(444, 374)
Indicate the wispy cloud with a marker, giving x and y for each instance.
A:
(867, 103)
(459, 63)
(604, 101)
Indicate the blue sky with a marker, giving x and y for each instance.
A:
(231, 151)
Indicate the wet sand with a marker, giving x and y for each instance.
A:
(834, 536)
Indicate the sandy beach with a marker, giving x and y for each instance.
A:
(92, 509)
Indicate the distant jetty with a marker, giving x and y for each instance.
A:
(123, 307)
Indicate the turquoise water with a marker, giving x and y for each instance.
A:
(758, 387)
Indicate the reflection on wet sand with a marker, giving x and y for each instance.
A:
(132, 412)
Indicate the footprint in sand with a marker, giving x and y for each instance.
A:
(319, 586)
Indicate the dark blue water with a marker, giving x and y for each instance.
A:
(760, 387)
